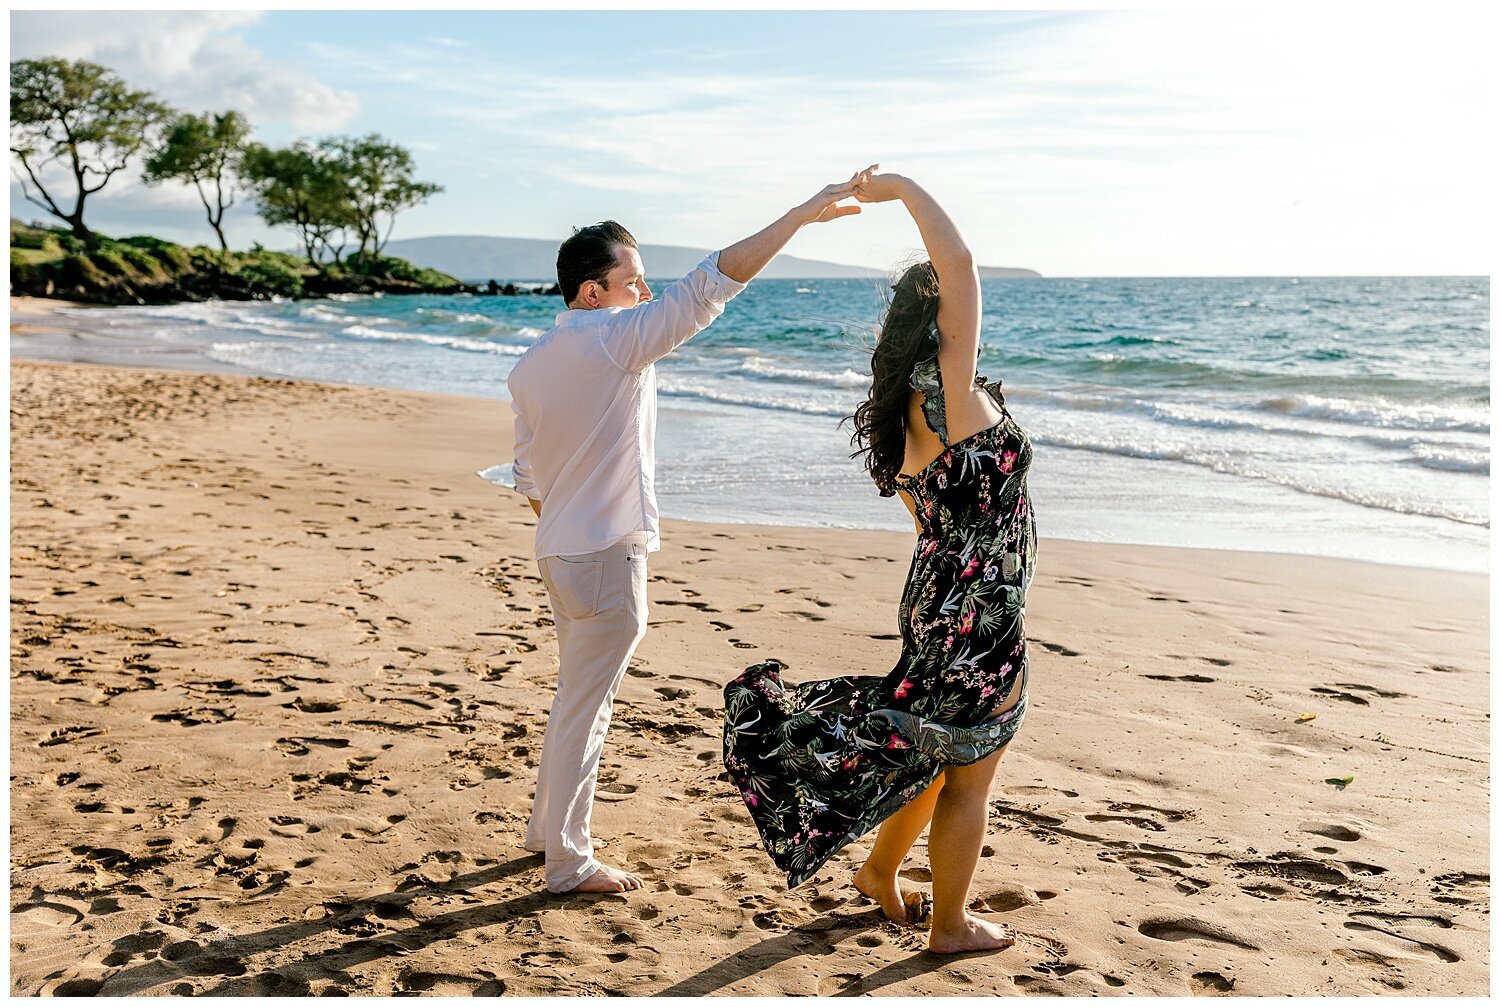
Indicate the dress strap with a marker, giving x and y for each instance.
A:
(927, 378)
(993, 387)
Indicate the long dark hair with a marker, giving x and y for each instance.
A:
(880, 421)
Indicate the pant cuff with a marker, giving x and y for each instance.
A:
(574, 880)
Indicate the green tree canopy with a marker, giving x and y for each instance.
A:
(303, 187)
(379, 176)
(205, 150)
(80, 115)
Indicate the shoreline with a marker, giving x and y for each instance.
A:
(93, 350)
(86, 347)
(281, 667)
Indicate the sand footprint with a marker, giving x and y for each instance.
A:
(1290, 867)
(1435, 950)
(1146, 863)
(291, 827)
(841, 984)
(1167, 813)
(302, 705)
(1150, 825)
(65, 735)
(1004, 898)
(1421, 919)
(615, 791)
(1344, 697)
(1382, 693)
(44, 915)
(1477, 885)
(1210, 984)
(1185, 928)
(126, 949)
(443, 984)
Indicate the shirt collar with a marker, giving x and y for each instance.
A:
(574, 316)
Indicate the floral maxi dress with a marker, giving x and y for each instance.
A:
(822, 763)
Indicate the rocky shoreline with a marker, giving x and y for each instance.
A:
(225, 287)
(50, 263)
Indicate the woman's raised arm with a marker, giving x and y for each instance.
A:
(958, 279)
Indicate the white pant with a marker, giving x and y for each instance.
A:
(599, 605)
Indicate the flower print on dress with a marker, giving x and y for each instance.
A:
(824, 762)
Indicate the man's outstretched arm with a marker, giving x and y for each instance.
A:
(640, 336)
(742, 260)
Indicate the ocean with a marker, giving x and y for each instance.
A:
(1329, 416)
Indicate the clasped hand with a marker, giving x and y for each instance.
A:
(864, 186)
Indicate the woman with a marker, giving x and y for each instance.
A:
(821, 764)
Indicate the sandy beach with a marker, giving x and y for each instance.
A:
(280, 665)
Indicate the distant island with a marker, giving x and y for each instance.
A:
(477, 258)
(53, 262)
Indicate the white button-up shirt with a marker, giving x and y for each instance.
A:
(584, 398)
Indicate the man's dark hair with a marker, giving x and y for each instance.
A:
(589, 255)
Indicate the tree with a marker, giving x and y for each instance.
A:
(301, 186)
(379, 177)
(206, 151)
(81, 115)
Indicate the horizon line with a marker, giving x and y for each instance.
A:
(1048, 276)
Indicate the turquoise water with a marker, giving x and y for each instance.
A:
(1341, 416)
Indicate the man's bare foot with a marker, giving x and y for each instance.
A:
(901, 907)
(973, 934)
(608, 879)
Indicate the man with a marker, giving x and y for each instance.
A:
(584, 397)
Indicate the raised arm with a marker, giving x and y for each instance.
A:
(640, 336)
(742, 260)
(958, 279)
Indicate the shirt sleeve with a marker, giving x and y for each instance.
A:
(521, 468)
(638, 337)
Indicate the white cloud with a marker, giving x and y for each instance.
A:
(1124, 143)
(192, 59)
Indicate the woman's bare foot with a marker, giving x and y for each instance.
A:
(973, 934)
(902, 908)
(608, 879)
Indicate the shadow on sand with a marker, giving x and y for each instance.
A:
(817, 939)
(224, 957)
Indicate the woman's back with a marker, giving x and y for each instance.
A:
(962, 416)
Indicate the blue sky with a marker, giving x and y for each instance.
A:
(1076, 144)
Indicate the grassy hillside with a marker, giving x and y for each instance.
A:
(51, 262)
